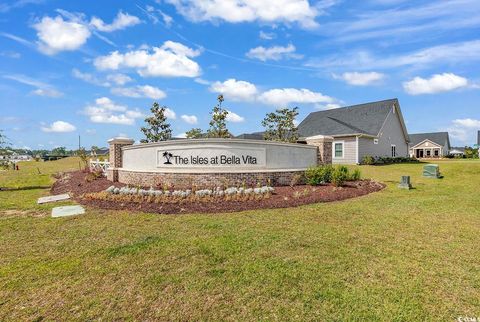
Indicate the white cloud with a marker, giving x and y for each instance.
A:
(140, 91)
(48, 92)
(236, 11)
(170, 114)
(285, 96)
(437, 83)
(234, 118)
(454, 53)
(106, 111)
(56, 34)
(190, 119)
(121, 21)
(42, 89)
(267, 35)
(89, 78)
(201, 81)
(181, 135)
(328, 106)
(360, 79)
(59, 127)
(235, 90)
(464, 130)
(468, 122)
(172, 59)
(119, 79)
(273, 53)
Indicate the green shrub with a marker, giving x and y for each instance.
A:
(339, 176)
(368, 160)
(355, 175)
(319, 175)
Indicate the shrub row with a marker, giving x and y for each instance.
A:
(370, 160)
(328, 174)
(217, 192)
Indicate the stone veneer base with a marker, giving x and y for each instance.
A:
(208, 180)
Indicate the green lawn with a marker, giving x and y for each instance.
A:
(395, 255)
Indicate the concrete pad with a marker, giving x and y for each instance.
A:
(67, 211)
(54, 198)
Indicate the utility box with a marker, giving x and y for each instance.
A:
(405, 183)
(431, 171)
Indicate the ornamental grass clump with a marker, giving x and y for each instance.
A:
(152, 195)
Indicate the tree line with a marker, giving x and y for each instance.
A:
(279, 125)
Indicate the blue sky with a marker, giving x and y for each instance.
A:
(93, 69)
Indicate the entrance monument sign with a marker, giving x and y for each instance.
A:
(213, 162)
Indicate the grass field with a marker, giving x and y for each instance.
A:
(395, 255)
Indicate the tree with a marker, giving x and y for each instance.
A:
(82, 154)
(194, 133)
(94, 149)
(3, 140)
(61, 150)
(218, 124)
(157, 128)
(280, 126)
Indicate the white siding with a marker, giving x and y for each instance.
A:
(349, 150)
(391, 133)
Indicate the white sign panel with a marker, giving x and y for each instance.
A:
(211, 157)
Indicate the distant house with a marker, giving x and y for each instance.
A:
(14, 157)
(251, 136)
(429, 145)
(457, 151)
(373, 129)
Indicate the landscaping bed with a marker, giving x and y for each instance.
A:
(92, 193)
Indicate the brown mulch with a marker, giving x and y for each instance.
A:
(75, 184)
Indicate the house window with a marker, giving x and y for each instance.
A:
(338, 149)
(428, 153)
(375, 141)
(435, 153)
(394, 151)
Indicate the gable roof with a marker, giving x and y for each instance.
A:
(441, 138)
(367, 119)
(251, 136)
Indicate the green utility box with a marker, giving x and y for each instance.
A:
(431, 171)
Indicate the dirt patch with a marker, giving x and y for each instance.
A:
(6, 214)
(76, 185)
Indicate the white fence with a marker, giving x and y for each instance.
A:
(96, 165)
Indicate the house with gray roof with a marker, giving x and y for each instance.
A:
(429, 145)
(372, 129)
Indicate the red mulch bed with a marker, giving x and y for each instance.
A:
(75, 184)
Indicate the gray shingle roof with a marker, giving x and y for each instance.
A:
(251, 136)
(365, 118)
(440, 138)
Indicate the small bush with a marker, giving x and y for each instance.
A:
(368, 160)
(319, 175)
(355, 175)
(339, 176)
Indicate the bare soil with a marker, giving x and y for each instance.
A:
(77, 186)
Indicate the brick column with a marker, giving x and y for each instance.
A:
(115, 156)
(324, 148)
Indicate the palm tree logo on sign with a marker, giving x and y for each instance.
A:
(167, 155)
